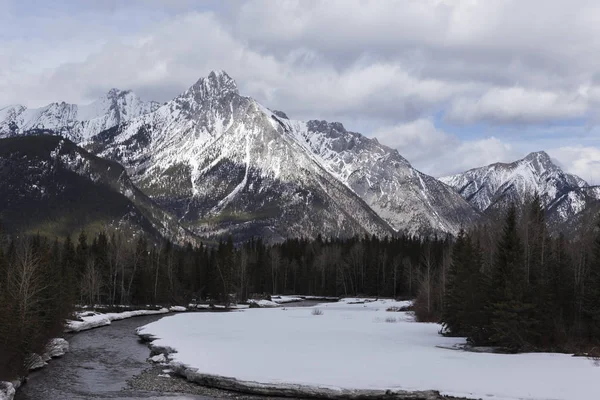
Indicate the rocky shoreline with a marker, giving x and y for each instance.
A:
(154, 379)
(57, 347)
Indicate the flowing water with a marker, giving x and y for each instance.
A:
(98, 365)
(101, 361)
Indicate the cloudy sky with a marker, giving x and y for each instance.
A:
(451, 84)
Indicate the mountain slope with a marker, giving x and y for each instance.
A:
(585, 221)
(406, 198)
(51, 186)
(211, 155)
(223, 164)
(496, 186)
(75, 122)
(570, 206)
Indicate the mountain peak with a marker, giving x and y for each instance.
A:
(541, 156)
(115, 93)
(217, 83)
(494, 186)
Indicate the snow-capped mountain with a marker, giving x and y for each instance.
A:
(407, 199)
(496, 186)
(75, 122)
(224, 163)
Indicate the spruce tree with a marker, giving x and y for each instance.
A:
(466, 291)
(454, 299)
(510, 317)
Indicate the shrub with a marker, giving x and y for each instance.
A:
(391, 319)
(316, 311)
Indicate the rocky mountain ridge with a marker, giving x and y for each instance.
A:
(72, 121)
(181, 153)
(494, 187)
(221, 163)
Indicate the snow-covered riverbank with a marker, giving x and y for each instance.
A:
(352, 349)
(56, 347)
(85, 320)
(92, 319)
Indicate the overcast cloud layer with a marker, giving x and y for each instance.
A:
(451, 84)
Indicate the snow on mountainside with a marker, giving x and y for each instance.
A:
(75, 122)
(223, 162)
(406, 198)
(495, 186)
(572, 204)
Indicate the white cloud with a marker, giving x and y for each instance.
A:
(418, 141)
(476, 153)
(583, 161)
(438, 153)
(387, 65)
(518, 105)
(408, 60)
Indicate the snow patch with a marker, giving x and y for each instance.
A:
(264, 303)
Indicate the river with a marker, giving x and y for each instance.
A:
(98, 365)
(101, 363)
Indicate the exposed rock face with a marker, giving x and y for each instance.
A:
(221, 163)
(496, 186)
(224, 163)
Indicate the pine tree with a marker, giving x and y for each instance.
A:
(69, 271)
(465, 291)
(454, 299)
(510, 317)
(561, 289)
(81, 252)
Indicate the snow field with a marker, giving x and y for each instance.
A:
(351, 347)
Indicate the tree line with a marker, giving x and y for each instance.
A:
(42, 279)
(516, 287)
